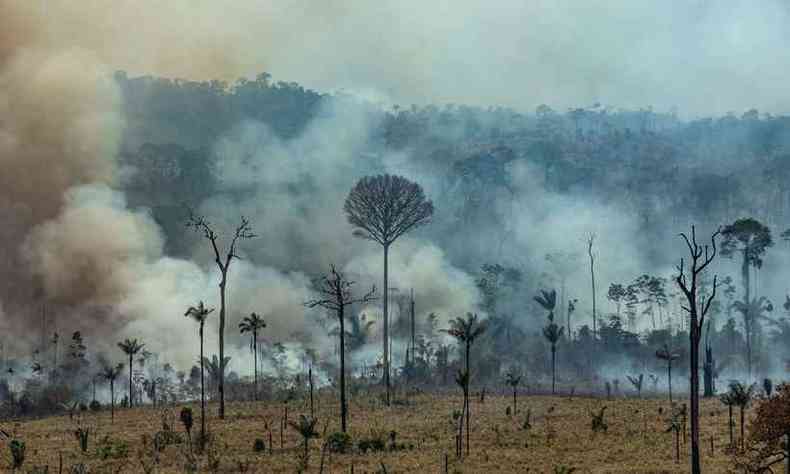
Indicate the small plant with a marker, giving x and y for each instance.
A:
(259, 446)
(82, 433)
(527, 425)
(374, 442)
(17, 448)
(564, 470)
(339, 442)
(305, 427)
(108, 449)
(598, 423)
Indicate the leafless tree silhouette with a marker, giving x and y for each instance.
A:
(701, 257)
(243, 231)
(334, 294)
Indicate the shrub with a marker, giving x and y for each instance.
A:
(95, 405)
(109, 449)
(259, 446)
(339, 442)
(187, 419)
(375, 442)
(17, 449)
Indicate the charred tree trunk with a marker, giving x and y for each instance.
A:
(386, 325)
(708, 369)
(343, 408)
(222, 285)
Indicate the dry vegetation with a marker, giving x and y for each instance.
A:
(560, 436)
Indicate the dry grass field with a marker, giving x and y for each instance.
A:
(560, 437)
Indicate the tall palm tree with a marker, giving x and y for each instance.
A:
(214, 369)
(131, 347)
(669, 356)
(110, 373)
(199, 314)
(552, 332)
(465, 331)
(252, 324)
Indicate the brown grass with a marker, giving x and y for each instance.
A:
(636, 440)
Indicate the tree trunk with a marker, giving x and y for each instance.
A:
(386, 326)
(732, 442)
(592, 278)
(202, 393)
(742, 407)
(707, 370)
(466, 395)
(553, 371)
(514, 401)
(112, 401)
(746, 317)
(694, 338)
(255, 364)
(222, 284)
(343, 409)
(131, 387)
(669, 378)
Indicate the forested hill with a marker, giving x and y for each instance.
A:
(659, 167)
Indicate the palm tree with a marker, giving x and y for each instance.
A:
(741, 396)
(729, 400)
(110, 374)
(667, 355)
(306, 428)
(513, 378)
(131, 347)
(552, 332)
(199, 314)
(466, 331)
(215, 372)
(252, 324)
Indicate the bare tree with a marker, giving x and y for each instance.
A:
(382, 208)
(701, 257)
(243, 231)
(334, 294)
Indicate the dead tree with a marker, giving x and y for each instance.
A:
(223, 260)
(334, 294)
(590, 242)
(382, 208)
(701, 257)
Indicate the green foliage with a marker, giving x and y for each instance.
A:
(112, 449)
(17, 448)
(339, 442)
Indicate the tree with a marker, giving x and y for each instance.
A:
(243, 231)
(729, 400)
(215, 370)
(252, 324)
(552, 332)
(590, 242)
(668, 356)
(513, 378)
(199, 314)
(334, 294)
(752, 313)
(465, 331)
(131, 347)
(697, 308)
(110, 374)
(741, 395)
(382, 208)
(306, 428)
(750, 238)
(637, 383)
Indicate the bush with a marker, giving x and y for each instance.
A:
(186, 419)
(375, 442)
(17, 448)
(339, 442)
(109, 449)
(95, 405)
(259, 446)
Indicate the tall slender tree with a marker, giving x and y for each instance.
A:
(590, 243)
(334, 294)
(253, 324)
(697, 308)
(465, 331)
(382, 208)
(667, 355)
(552, 332)
(199, 314)
(223, 260)
(131, 347)
(750, 238)
(110, 374)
